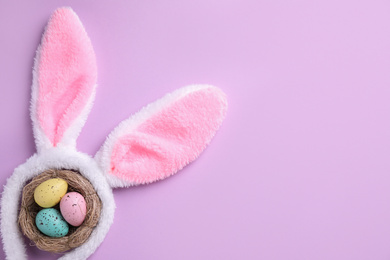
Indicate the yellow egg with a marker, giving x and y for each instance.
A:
(50, 192)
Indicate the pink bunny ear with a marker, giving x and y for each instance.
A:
(64, 81)
(163, 137)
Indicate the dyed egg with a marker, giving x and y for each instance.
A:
(50, 192)
(73, 208)
(51, 223)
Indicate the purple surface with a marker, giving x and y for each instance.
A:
(300, 168)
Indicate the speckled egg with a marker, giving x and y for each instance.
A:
(50, 192)
(73, 208)
(51, 223)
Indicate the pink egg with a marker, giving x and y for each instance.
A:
(73, 208)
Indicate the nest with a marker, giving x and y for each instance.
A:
(77, 235)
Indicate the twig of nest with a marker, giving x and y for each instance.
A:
(77, 235)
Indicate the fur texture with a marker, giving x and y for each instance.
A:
(64, 80)
(151, 145)
(163, 137)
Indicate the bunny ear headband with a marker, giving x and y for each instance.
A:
(149, 146)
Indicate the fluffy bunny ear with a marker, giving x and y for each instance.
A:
(163, 137)
(64, 79)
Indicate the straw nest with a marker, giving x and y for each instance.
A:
(77, 235)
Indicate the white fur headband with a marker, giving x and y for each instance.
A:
(151, 145)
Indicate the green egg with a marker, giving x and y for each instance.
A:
(51, 223)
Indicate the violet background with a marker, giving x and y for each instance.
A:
(300, 168)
